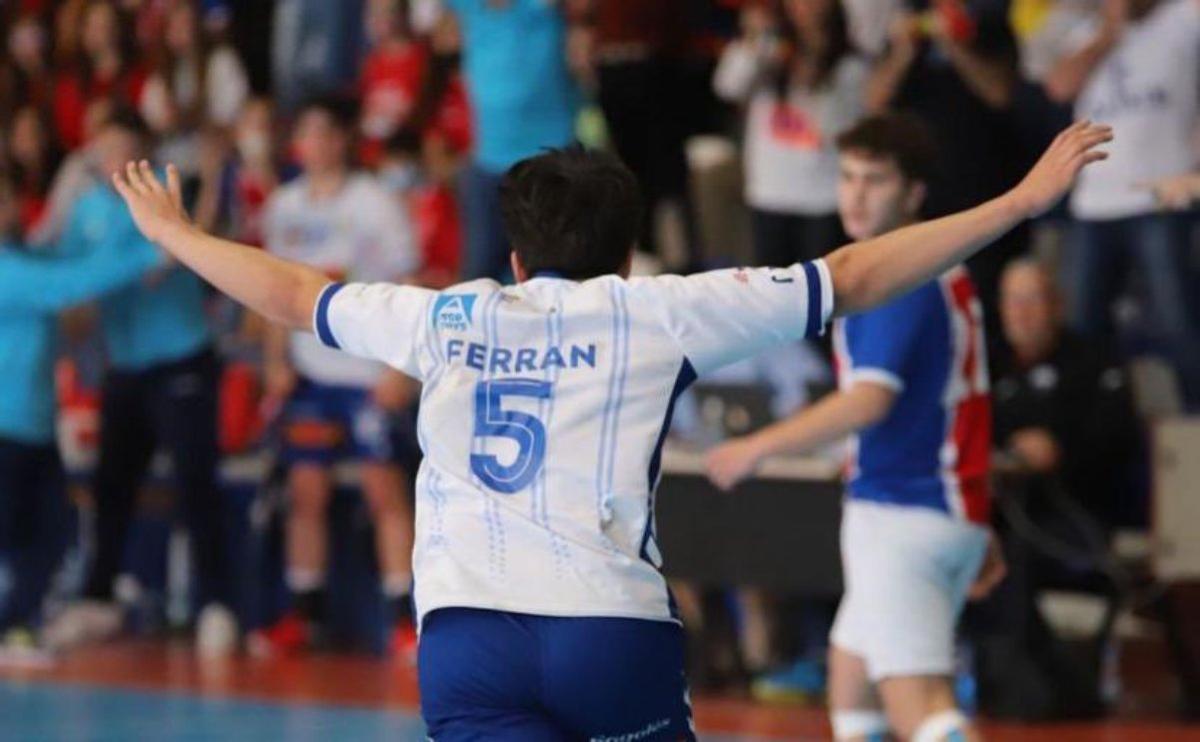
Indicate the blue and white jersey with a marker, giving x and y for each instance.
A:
(543, 414)
(933, 447)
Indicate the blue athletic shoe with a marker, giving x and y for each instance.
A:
(801, 681)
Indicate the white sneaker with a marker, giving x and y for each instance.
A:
(216, 631)
(83, 622)
(21, 648)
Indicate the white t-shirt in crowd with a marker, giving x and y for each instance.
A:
(359, 234)
(544, 408)
(1148, 90)
(791, 160)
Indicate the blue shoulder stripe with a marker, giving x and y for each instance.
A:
(812, 278)
(321, 321)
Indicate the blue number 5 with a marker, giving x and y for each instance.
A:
(528, 432)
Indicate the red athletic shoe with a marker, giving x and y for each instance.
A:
(289, 635)
(404, 642)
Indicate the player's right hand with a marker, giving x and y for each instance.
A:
(156, 209)
(279, 381)
(1054, 174)
(731, 462)
(992, 572)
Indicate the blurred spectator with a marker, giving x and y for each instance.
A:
(391, 77)
(407, 84)
(419, 173)
(524, 100)
(25, 71)
(869, 22)
(160, 391)
(198, 78)
(34, 522)
(1136, 67)
(954, 64)
(1062, 406)
(34, 160)
(337, 407)
(77, 173)
(235, 185)
(103, 67)
(1043, 30)
(315, 48)
(795, 70)
(639, 50)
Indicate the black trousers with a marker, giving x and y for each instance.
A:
(34, 525)
(642, 101)
(173, 406)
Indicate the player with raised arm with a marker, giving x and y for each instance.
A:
(913, 389)
(545, 405)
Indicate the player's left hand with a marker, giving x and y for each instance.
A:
(1054, 174)
(731, 462)
(1037, 448)
(992, 572)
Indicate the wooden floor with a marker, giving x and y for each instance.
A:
(155, 669)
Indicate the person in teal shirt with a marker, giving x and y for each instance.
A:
(524, 99)
(159, 392)
(34, 288)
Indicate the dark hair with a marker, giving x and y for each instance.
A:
(341, 110)
(838, 44)
(571, 211)
(406, 141)
(900, 137)
(128, 120)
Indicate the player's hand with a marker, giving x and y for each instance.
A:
(1175, 193)
(731, 462)
(156, 209)
(1037, 448)
(1054, 174)
(279, 381)
(991, 572)
(393, 392)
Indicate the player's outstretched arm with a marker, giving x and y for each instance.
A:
(280, 290)
(869, 273)
(830, 419)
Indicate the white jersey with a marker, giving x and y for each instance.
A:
(543, 413)
(359, 234)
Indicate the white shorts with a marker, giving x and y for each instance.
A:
(907, 571)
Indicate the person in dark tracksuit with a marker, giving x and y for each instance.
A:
(160, 391)
(33, 505)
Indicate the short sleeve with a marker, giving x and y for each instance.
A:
(723, 316)
(380, 321)
(881, 343)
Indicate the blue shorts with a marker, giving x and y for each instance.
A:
(325, 424)
(508, 676)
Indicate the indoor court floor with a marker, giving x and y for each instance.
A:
(143, 690)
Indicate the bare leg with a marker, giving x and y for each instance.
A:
(855, 709)
(912, 701)
(309, 488)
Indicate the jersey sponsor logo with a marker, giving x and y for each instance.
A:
(454, 311)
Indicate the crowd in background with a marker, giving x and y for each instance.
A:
(422, 105)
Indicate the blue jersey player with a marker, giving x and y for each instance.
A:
(544, 407)
(913, 390)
